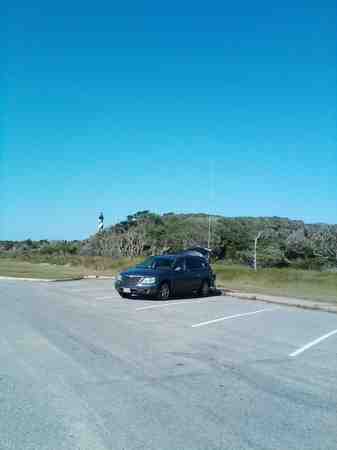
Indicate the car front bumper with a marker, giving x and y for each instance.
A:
(137, 291)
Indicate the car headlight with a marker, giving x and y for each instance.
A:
(147, 280)
(119, 277)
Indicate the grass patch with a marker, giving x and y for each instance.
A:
(22, 269)
(306, 284)
(70, 267)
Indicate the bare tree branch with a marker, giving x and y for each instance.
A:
(324, 244)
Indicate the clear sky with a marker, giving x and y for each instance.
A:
(125, 106)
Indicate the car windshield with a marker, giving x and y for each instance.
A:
(156, 263)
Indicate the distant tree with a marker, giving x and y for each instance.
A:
(283, 241)
(298, 246)
(229, 239)
(324, 245)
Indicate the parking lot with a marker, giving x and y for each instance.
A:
(83, 368)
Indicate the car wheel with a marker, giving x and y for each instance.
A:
(124, 295)
(164, 292)
(204, 290)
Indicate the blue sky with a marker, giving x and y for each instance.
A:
(125, 108)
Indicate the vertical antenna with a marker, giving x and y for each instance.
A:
(211, 199)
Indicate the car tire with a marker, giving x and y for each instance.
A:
(204, 289)
(164, 292)
(124, 295)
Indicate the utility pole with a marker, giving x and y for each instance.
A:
(259, 234)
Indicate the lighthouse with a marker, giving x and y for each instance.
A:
(100, 223)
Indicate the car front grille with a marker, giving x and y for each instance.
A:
(130, 281)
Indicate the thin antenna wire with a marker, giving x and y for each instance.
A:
(211, 198)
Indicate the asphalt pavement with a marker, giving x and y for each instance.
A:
(83, 369)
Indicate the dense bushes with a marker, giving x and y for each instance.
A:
(282, 242)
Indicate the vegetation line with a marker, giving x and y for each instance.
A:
(291, 258)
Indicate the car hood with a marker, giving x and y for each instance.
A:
(141, 272)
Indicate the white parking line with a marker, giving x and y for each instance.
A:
(78, 290)
(169, 303)
(220, 319)
(312, 343)
(106, 298)
(89, 290)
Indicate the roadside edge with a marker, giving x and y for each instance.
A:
(288, 301)
(52, 280)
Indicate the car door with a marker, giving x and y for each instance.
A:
(193, 274)
(179, 277)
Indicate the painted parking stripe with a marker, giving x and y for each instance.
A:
(235, 316)
(88, 291)
(312, 343)
(169, 303)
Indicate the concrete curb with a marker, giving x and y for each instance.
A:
(287, 301)
(47, 280)
(59, 280)
(24, 279)
(98, 277)
(67, 279)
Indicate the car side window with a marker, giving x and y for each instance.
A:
(162, 263)
(180, 262)
(193, 264)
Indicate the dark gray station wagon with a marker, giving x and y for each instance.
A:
(167, 276)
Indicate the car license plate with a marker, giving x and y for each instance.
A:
(127, 290)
